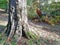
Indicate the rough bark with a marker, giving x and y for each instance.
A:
(17, 19)
(23, 20)
(12, 19)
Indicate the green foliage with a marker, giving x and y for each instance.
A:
(13, 43)
(3, 4)
(30, 35)
(34, 41)
(31, 13)
(33, 38)
(32, 5)
(48, 8)
(55, 20)
(29, 2)
(31, 42)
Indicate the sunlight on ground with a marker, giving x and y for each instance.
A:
(3, 23)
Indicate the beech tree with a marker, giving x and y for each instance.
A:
(17, 20)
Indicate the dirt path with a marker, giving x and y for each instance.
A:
(47, 32)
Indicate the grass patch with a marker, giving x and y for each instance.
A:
(33, 39)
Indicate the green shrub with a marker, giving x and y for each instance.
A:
(3, 4)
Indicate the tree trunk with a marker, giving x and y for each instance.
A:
(23, 20)
(17, 19)
(12, 19)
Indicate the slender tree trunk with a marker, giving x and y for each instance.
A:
(12, 19)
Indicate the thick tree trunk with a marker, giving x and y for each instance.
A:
(17, 19)
(23, 20)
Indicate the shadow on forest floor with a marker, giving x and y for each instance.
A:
(49, 28)
(41, 41)
(44, 41)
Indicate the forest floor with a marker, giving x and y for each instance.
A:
(49, 35)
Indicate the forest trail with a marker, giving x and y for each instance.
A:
(49, 35)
